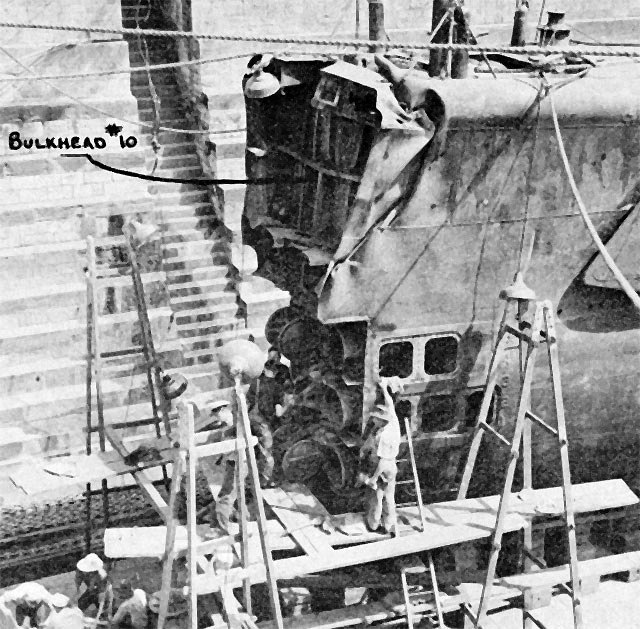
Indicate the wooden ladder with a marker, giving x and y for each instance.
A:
(160, 406)
(410, 571)
(185, 464)
(542, 330)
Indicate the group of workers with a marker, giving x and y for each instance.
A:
(268, 398)
(32, 605)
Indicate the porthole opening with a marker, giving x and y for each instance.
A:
(440, 355)
(396, 359)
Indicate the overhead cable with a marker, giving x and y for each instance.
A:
(353, 43)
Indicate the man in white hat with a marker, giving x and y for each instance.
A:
(62, 616)
(98, 590)
(380, 452)
(31, 601)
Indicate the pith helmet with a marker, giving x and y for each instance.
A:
(90, 563)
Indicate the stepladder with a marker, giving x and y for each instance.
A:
(409, 574)
(532, 326)
(211, 558)
(100, 360)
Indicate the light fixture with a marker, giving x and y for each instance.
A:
(242, 358)
(518, 290)
(139, 232)
(261, 84)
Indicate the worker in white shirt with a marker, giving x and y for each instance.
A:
(98, 591)
(133, 611)
(62, 616)
(379, 453)
(31, 600)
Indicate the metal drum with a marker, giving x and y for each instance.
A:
(302, 461)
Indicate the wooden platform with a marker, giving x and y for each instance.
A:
(448, 523)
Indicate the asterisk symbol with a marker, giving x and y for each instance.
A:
(113, 129)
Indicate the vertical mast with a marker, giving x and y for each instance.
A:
(376, 20)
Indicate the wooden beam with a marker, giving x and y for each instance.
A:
(299, 514)
(224, 447)
(142, 478)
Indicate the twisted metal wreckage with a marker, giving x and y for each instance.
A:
(422, 200)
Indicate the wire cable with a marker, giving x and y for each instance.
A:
(353, 43)
(609, 261)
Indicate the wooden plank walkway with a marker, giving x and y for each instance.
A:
(448, 523)
(301, 513)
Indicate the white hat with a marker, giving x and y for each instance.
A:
(59, 600)
(90, 563)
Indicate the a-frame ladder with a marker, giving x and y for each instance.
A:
(185, 463)
(542, 330)
(160, 406)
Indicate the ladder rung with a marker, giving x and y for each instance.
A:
(495, 433)
(125, 351)
(405, 482)
(542, 423)
(415, 569)
(131, 424)
(536, 560)
(467, 610)
(521, 335)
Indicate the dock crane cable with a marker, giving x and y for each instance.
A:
(609, 261)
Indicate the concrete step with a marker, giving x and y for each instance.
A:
(213, 312)
(176, 237)
(20, 373)
(202, 247)
(44, 296)
(179, 160)
(178, 148)
(181, 172)
(190, 262)
(175, 196)
(145, 100)
(231, 168)
(38, 410)
(210, 271)
(197, 287)
(178, 221)
(68, 338)
(208, 329)
(195, 301)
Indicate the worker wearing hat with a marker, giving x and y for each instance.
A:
(379, 453)
(224, 506)
(62, 616)
(218, 418)
(31, 601)
(98, 590)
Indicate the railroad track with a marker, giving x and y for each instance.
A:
(49, 538)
